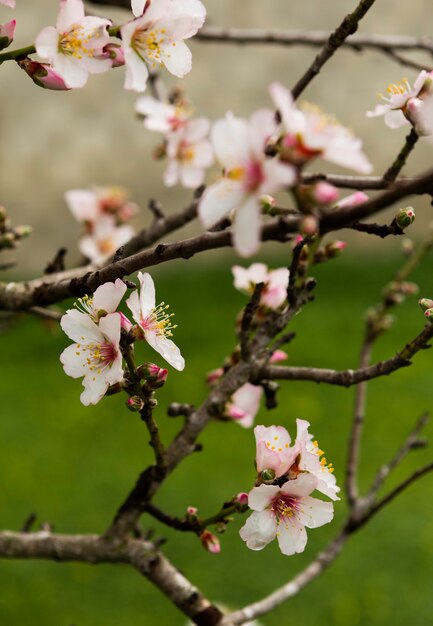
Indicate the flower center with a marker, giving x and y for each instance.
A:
(147, 42)
(284, 507)
(186, 152)
(313, 447)
(159, 321)
(251, 175)
(99, 355)
(74, 42)
(106, 245)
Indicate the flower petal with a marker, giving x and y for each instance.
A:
(247, 227)
(108, 296)
(80, 328)
(301, 486)
(177, 58)
(315, 513)
(166, 348)
(218, 200)
(260, 497)
(259, 530)
(292, 537)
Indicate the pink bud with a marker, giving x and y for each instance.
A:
(353, 200)
(334, 248)
(242, 498)
(309, 225)
(214, 376)
(7, 32)
(210, 542)
(115, 53)
(324, 193)
(124, 322)
(43, 75)
(277, 356)
(154, 375)
(192, 510)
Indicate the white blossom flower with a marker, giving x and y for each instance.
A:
(156, 38)
(105, 300)
(154, 322)
(311, 134)
(404, 103)
(284, 513)
(190, 153)
(275, 282)
(160, 116)
(244, 404)
(75, 46)
(95, 355)
(104, 240)
(89, 205)
(274, 450)
(239, 146)
(310, 461)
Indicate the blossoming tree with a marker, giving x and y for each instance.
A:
(294, 487)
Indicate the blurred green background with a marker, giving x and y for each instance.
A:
(74, 465)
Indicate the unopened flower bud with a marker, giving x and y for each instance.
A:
(154, 375)
(242, 499)
(135, 403)
(309, 225)
(7, 32)
(267, 475)
(429, 315)
(278, 356)
(210, 542)
(335, 248)
(214, 376)
(115, 53)
(405, 217)
(43, 75)
(425, 304)
(192, 511)
(324, 193)
(267, 203)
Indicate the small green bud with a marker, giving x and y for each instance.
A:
(405, 217)
(267, 203)
(425, 304)
(267, 475)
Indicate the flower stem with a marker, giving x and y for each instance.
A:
(13, 55)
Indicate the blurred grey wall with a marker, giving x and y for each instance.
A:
(54, 141)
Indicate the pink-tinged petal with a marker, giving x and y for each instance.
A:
(263, 126)
(195, 10)
(71, 12)
(71, 70)
(108, 296)
(230, 139)
(147, 293)
(292, 537)
(284, 103)
(74, 361)
(197, 129)
(133, 304)
(8, 3)
(158, 114)
(247, 400)
(7, 33)
(114, 374)
(46, 43)
(247, 228)
(259, 498)
(80, 328)
(191, 177)
(218, 200)
(273, 450)
(395, 119)
(277, 176)
(314, 513)
(156, 10)
(83, 204)
(121, 235)
(419, 82)
(302, 434)
(95, 385)
(348, 153)
(177, 58)
(278, 356)
(87, 245)
(301, 486)
(110, 326)
(245, 277)
(96, 65)
(379, 109)
(352, 200)
(328, 484)
(171, 174)
(203, 155)
(259, 530)
(166, 348)
(124, 322)
(137, 7)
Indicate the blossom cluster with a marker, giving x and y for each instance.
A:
(95, 328)
(103, 213)
(281, 502)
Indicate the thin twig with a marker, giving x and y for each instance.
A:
(394, 170)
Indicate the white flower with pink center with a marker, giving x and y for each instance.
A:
(311, 134)
(274, 293)
(248, 174)
(104, 240)
(89, 205)
(274, 450)
(75, 47)
(96, 354)
(189, 154)
(156, 38)
(312, 461)
(160, 116)
(154, 322)
(404, 103)
(105, 300)
(244, 404)
(284, 513)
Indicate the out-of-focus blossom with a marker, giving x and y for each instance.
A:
(352, 200)
(311, 460)
(239, 146)
(75, 47)
(324, 193)
(95, 355)
(244, 404)
(8, 3)
(104, 239)
(310, 134)
(405, 103)
(210, 542)
(89, 205)
(273, 450)
(156, 38)
(275, 282)
(278, 356)
(190, 153)
(7, 32)
(284, 513)
(114, 52)
(160, 116)
(43, 75)
(154, 322)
